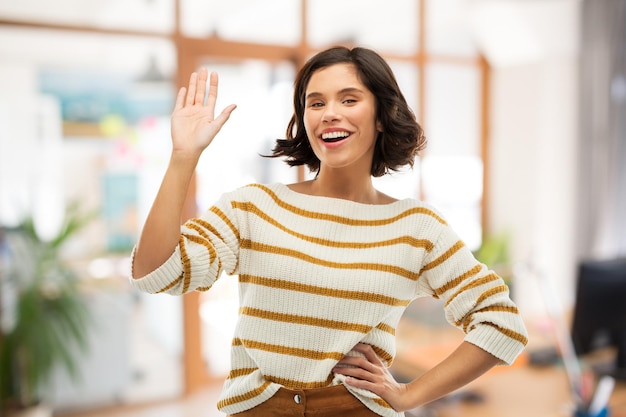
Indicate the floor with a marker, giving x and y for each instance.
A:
(200, 404)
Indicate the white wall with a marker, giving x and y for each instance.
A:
(533, 160)
(533, 170)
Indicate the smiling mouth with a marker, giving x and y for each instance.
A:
(334, 136)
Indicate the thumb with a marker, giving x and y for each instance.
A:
(224, 115)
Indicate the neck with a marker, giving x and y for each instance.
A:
(346, 185)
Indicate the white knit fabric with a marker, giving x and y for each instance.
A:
(318, 275)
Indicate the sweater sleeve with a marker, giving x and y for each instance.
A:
(207, 246)
(476, 299)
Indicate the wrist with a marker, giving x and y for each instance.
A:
(184, 159)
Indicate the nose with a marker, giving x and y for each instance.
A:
(330, 113)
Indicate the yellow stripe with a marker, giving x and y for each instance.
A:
(201, 227)
(212, 256)
(494, 308)
(236, 373)
(407, 240)
(327, 292)
(476, 283)
(509, 333)
(381, 402)
(171, 284)
(226, 220)
(457, 281)
(315, 355)
(446, 255)
(186, 264)
(303, 353)
(292, 384)
(386, 328)
(200, 240)
(490, 292)
(261, 247)
(347, 220)
(243, 397)
(305, 320)
(288, 383)
(383, 354)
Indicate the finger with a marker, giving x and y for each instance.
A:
(363, 384)
(201, 86)
(180, 98)
(219, 121)
(357, 373)
(225, 114)
(191, 93)
(356, 361)
(369, 353)
(212, 96)
(363, 347)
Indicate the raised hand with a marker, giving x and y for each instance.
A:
(194, 125)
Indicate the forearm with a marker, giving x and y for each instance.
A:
(194, 127)
(161, 231)
(465, 364)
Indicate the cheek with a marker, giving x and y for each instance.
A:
(309, 125)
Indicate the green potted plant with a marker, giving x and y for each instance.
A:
(46, 319)
(494, 252)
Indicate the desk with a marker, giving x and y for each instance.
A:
(520, 390)
(523, 392)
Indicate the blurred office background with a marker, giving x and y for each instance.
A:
(522, 103)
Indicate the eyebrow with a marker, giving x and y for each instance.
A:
(342, 91)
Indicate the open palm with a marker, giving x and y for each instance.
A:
(194, 124)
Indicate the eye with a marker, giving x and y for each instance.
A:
(315, 104)
(349, 101)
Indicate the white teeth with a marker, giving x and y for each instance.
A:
(335, 135)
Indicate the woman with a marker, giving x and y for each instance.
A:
(327, 266)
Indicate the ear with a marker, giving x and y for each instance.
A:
(379, 126)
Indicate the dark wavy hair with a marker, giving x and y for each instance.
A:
(401, 137)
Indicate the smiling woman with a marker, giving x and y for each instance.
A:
(308, 339)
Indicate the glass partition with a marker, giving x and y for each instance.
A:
(452, 166)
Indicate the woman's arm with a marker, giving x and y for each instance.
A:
(193, 128)
(463, 365)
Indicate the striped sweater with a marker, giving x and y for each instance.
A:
(318, 275)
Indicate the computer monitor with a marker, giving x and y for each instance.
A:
(600, 312)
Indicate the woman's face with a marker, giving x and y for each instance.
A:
(340, 118)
